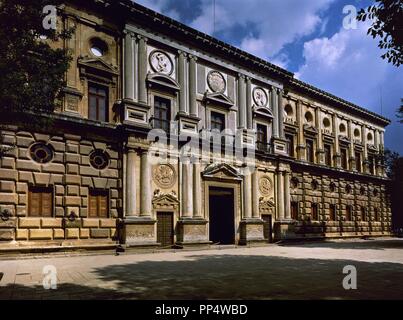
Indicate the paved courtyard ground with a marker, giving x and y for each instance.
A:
(292, 271)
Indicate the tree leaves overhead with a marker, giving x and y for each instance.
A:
(32, 69)
(387, 24)
(400, 112)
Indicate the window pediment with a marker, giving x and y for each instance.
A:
(218, 98)
(163, 81)
(222, 171)
(97, 69)
(262, 112)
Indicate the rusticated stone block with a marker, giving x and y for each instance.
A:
(21, 211)
(6, 234)
(22, 187)
(54, 168)
(108, 223)
(73, 190)
(72, 179)
(88, 171)
(21, 234)
(8, 163)
(24, 176)
(58, 234)
(51, 222)
(42, 178)
(8, 198)
(27, 165)
(59, 212)
(10, 223)
(59, 190)
(58, 146)
(84, 233)
(72, 158)
(100, 183)
(72, 168)
(8, 174)
(110, 173)
(24, 141)
(29, 222)
(72, 201)
(22, 199)
(72, 233)
(90, 223)
(40, 234)
(100, 233)
(7, 186)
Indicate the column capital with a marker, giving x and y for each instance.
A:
(192, 57)
(182, 53)
(241, 76)
(140, 37)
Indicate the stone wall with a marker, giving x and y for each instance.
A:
(69, 175)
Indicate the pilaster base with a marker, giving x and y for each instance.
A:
(279, 146)
(192, 232)
(284, 229)
(251, 231)
(139, 231)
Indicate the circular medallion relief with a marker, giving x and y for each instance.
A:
(260, 97)
(161, 62)
(41, 152)
(216, 81)
(164, 175)
(265, 186)
(99, 159)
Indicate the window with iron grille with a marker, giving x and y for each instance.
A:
(290, 144)
(40, 202)
(217, 121)
(309, 151)
(328, 155)
(98, 203)
(97, 103)
(162, 112)
(261, 137)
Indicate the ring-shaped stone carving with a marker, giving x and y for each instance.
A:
(164, 176)
(161, 62)
(216, 81)
(260, 97)
(265, 186)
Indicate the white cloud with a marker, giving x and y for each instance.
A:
(160, 6)
(348, 64)
(277, 22)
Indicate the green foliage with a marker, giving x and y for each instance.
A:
(387, 24)
(400, 112)
(390, 160)
(32, 70)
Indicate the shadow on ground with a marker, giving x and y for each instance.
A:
(227, 277)
(370, 244)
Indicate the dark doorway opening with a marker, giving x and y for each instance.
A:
(165, 229)
(221, 215)
(267, 231)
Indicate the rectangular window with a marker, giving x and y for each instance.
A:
(363, 214)
(349, 211)
(371, 161)
(40, 202)
(294, 210)
(315, 215)
(162, 112)
(344, 161)
(290, 145)
(332, 212)
(261, 137)
(98, 203)
(328, 154)
(309, 151)
(376, 213)
(217, 121)
(358, 161)
(97, 103)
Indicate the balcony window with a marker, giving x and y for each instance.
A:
(261, 138)
(290, 144)
(97, 103)
(328, 155)
(162, 110)
(344, 162)
(309, 151)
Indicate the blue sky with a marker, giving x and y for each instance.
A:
(307, 38)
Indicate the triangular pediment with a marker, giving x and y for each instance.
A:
(163, 80)
(218, 98)
(262, 112)
(165, 200)
(222, 171)
(344, 139)
(310, 129)
(97, 64)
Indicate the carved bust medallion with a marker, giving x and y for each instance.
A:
(260, 97)
(216, 81)
(164, 176)
(265, 186)
(161, 62)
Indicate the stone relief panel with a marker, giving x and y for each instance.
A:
(265, 186)
(160, 61)
(216, 81)
(260, 97)
(164, 176)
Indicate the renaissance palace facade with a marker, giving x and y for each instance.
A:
(167, 136)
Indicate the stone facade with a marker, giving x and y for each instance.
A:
(298, 162)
